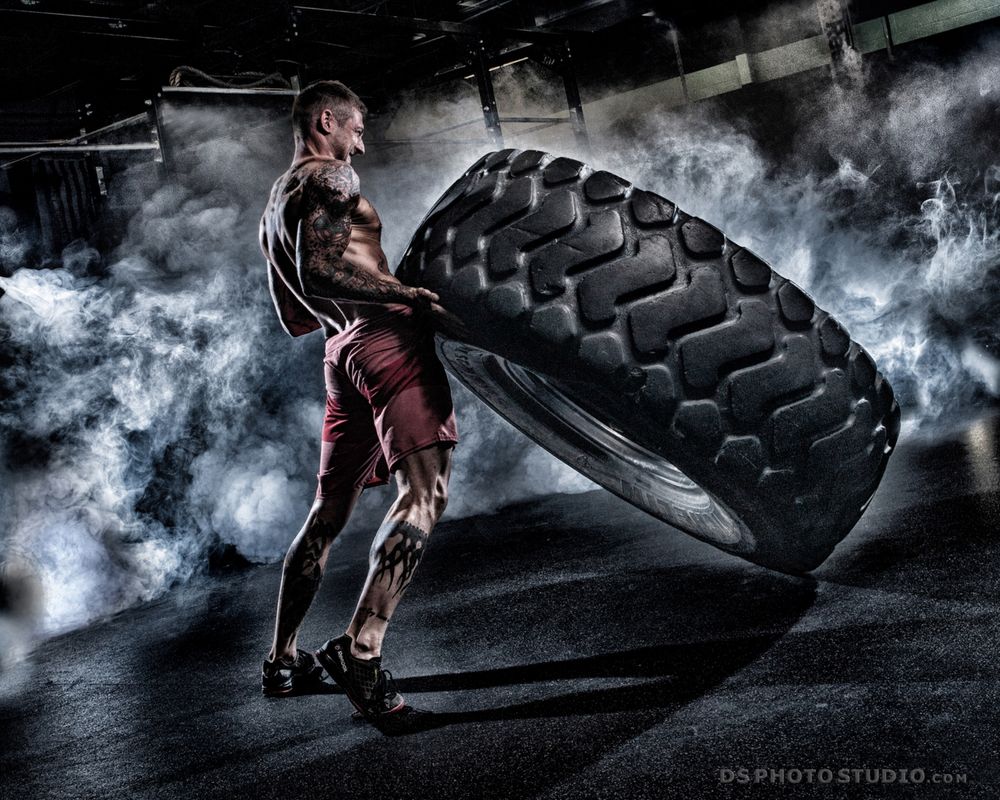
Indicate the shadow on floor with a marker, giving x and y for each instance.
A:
(676, 674)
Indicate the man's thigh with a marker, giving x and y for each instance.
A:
(396, 369)
(351, 453)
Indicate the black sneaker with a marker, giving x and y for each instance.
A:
(303, 676)
(369, 687)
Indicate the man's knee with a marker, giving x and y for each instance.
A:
(429, 499)
(329, 515)
(423, 482)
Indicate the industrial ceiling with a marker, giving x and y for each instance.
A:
(75, 65)
(71, 65)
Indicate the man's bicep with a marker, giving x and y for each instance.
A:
(331, 194)
(320, 245)
(323, 233)
(325, 222)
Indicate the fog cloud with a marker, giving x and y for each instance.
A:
(153, 411)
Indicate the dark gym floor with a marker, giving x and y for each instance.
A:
(573, 648)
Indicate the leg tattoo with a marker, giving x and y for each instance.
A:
(302, 574)
(368, 613)
(395, 553)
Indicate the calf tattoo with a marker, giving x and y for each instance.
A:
(303, 573)
(396, 551)
(370, 612)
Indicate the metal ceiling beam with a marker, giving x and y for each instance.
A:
(95, 24)
(489, 9)
(460, 29)
(496, 60)
(110, 128)
(257, 92)
(76, 148)
(573, 100)
(613, 12)
(79, 144)
(400, 23)
(487, 97)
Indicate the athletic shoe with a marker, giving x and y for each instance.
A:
(369, 687)
(303, 676)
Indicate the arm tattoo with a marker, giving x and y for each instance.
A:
(332, 232)
(330, 196)
(395, 553)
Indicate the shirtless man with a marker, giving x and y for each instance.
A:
(388, 405)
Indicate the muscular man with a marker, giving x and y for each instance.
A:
(388, 405)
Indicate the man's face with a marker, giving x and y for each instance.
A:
(345, 140)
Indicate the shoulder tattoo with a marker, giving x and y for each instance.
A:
(339, 182)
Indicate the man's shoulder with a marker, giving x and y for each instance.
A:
(330, 175)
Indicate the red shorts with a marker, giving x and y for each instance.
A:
(387, 396)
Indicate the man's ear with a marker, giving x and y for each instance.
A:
(327, 122)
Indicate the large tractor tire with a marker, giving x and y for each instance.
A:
(666, 363)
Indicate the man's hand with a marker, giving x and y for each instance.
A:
(440, 318)
(421, 298)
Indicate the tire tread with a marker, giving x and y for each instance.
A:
(751, 386)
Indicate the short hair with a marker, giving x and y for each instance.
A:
(319, 95)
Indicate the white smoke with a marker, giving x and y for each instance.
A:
(909, 263)
(154, 412)
(13, 241)
(146, 423)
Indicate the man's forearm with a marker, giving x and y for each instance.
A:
(338, 279)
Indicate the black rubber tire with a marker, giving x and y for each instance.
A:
(597, 297)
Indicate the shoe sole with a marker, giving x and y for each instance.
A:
(300, 686)
(357, 716)
(330, 666)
